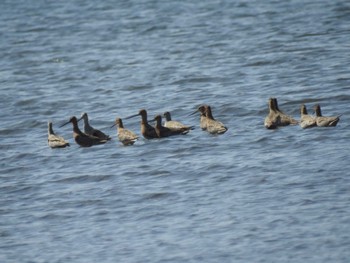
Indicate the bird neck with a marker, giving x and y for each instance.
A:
(158, 122)
(76, 128)
(318, 112)
(209, 114)
(50, 129)
(303, 111)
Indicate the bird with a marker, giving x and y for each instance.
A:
(82, 139)
(89, 130)
(174, 124)
(306, 121)
(54, 140)
(203, 118)
(283, 119)
(214, 126)
(272, 118)
(166, 132)
(323, 121)
(125, 136)
(147, 131)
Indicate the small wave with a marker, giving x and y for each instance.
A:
(159, 195)
(258, 63)
(196, 80)
(138, 87)
(84, 178)
(25, 102)
(154, 28)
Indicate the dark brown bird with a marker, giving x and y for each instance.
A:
(147, 130)
(81, 138)
(89, 130)
(166, 132)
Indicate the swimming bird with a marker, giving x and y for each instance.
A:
(306, 121)
(166, 132)
(272, 118)
(174, 124)
(84, 140)
(89, 130)
(214, 126)
(125, 136)
(203, 118)
(323, 121)
(147, 130)
(54, 140)
(283, 119)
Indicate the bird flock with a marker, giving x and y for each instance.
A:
(276, 118)
(91, 136)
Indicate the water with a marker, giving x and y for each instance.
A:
(250, 195)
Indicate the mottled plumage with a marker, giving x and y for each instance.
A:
(54, 140)
(125, 136)
(214, 126)
(272, 119)
(203, 118)
(323, 121)
(306, 121)
(283, 119)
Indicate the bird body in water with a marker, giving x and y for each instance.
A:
(214, 126)
(208, 122)
(323, 121)
(89, 130)
(282, 118)
(271, 120)
(54, 140)
(276, 117)
(147, 131)
(306, 120)
(166, 132)
(174, 125)
(82, 139)
(125, 136)
(203, 118)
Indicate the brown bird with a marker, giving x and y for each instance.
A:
(203, 118)
(284, 118)
(147, 130)
(81, 138)
(272, 119)
(214, 126)
(306, 121)
(323, 121)
(174, 124)
(54, 140)
(125, 136)
(89, 130)
(166, 132)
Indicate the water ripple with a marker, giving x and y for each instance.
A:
(193, 198)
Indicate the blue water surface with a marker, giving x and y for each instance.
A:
(249, 195)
